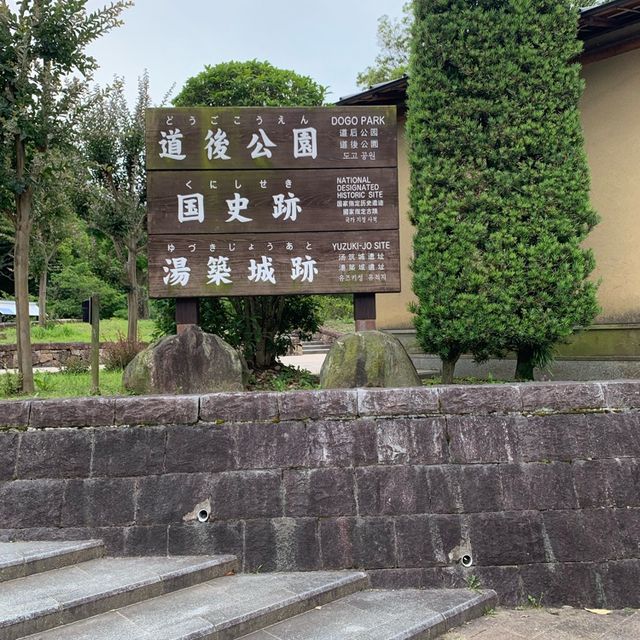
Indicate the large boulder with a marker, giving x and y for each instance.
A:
(191, 362)
(368, 359)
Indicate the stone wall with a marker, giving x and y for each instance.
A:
(53, 354)
(538, 484)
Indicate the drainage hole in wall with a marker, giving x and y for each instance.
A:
(466, 560)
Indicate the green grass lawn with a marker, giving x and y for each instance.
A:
(63, 385)
(80, 332)
(341, 325)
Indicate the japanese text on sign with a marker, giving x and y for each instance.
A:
(265, 201)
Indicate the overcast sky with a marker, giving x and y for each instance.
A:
(329, 40)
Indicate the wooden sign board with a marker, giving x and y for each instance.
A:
(271, 201)
(270, 264)
(265, 201)
(271, 138)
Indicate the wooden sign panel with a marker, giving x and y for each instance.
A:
(270, 138)
(269, 264)
(265, 201)
(188, 202)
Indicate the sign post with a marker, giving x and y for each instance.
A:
(364, 311)
(187, 313)
(94, 312)
(272, 201)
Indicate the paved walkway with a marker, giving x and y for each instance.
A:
(565, 623)
(312, 362)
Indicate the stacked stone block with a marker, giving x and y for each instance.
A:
(537, 484)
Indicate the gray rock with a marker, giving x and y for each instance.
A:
(191, 362)
(368, 359)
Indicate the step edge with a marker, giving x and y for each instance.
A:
(40, 562)
(451, 618)
(268, 616)
(339, 586)
(132, 593)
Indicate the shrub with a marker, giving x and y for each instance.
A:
(119, 353)
(75, 364)
(335, 307)
(10, 384)
(499, 179)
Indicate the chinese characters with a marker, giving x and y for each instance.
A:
(224, 269)
(250, 201)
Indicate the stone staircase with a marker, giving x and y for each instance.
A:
(70, 591)
(315, 346)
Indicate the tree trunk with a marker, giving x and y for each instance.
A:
(132, 295)
(448, 369)
(21, 273)
(143, 295)
(262, 358)
(271, 320)
(18, 356)
(524, 365)
(42, 298)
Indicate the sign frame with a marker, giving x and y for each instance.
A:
(179, 168)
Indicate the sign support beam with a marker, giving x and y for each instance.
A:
(272, 201)
(187, 313)
(94, 313)
(364, 311)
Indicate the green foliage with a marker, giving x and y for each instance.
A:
(42, 56)
(84, 265)
(110, 330)
(113, 145)
(394, 36)
(53, 209)
(535, 602)
(6, 250)
(499, 180)
(64, 385)
(120, 352)
(251, 83)
(44, 42)
(76, 282)
(473, 582)
(260, 325)
(393, 60)
(64, 332)
(282, 378)
(75, 364)
(10, 384)
(336, 312)
(335, 307)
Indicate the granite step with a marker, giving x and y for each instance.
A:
(315, 346)
(19, 559)
(42, 601)
(409, 614)
(221, 609)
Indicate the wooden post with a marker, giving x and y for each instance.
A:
(95, 344)
(364, 311)
(187, 313)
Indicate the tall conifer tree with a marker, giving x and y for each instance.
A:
(499, 179)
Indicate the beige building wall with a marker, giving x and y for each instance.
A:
(611, 119)
(392, 308)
